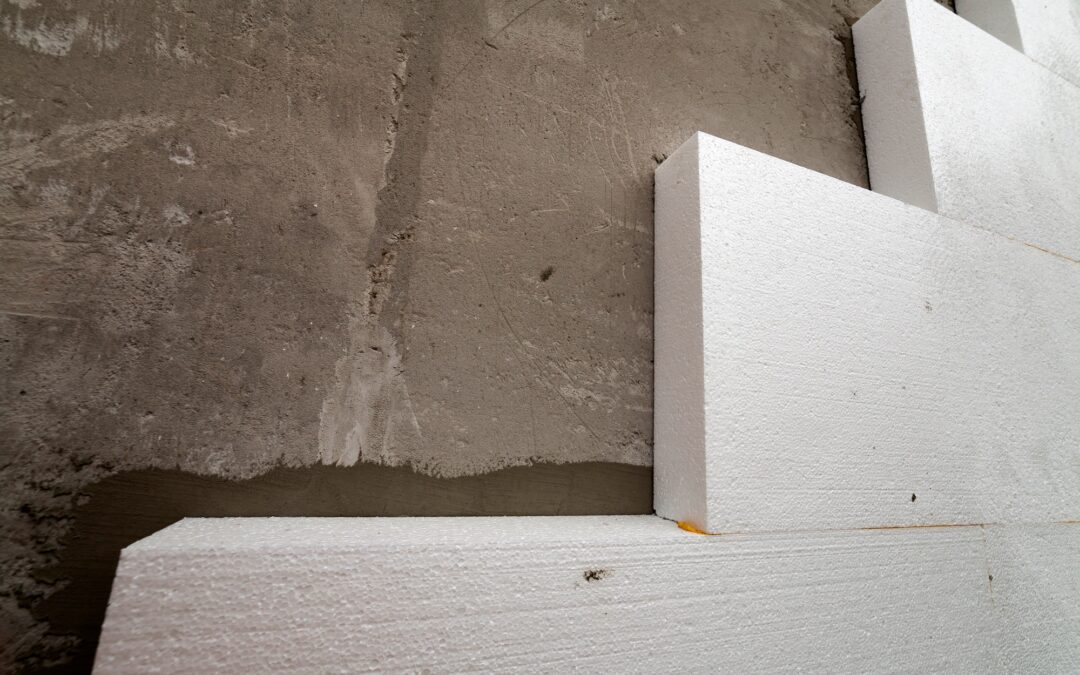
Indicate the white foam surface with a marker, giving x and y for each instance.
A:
(962, 123)
(1048, 31)
(590, 594)
(865, 364)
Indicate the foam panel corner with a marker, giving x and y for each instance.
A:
(960, 123)
(1047, 31)
(827, 357)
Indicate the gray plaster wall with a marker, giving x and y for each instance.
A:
(274, 244)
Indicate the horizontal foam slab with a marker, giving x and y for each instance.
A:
(596, 594)
(827, 357)
(958, 122)
(1047, 31)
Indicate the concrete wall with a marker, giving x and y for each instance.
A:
(255, 254)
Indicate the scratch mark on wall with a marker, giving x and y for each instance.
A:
(175, 215)
(489, 40)
(517, 338)
(165, 46)
(35, 210)
(40, 315)
(58, 38)
(619, 134)
(74, 142)
(181, 154)
(588, 397)
(370, 407)
(232, 127)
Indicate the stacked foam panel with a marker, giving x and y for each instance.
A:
(589, 594)
(1048, 31)
(961, 123)
(867, 428)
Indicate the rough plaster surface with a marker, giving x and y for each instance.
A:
(544, 350)
(866, 363)
(1000, 130)
(614, 594)
(235, 236)
(1048, 31)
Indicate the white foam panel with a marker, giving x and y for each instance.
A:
(1048, 31)
(959, 122)
(591, 594)
(827, 357)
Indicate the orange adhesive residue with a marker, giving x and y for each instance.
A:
(689, 527)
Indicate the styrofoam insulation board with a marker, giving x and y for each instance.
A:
(1036, 570)
(958, 122)
(1047, 31)
(592, 594)
(827, 357)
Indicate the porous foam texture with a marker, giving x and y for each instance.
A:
(1047, 31)
(590, 594)
(866, 363)
(959, 122)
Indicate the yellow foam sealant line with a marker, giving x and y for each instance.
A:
(690, 527)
